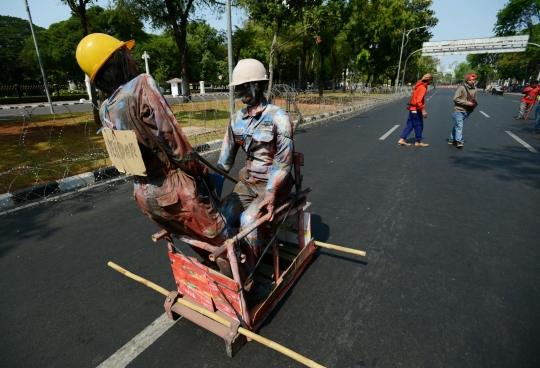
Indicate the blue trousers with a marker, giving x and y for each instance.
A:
(415, 121)
(537, 118)
(457, 132)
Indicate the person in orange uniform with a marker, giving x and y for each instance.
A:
(528, 101)
(417, 112)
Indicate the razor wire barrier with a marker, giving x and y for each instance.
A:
(44, 155)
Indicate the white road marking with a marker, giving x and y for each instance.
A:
(433, 94)
(388, 133)
(521, 141)
(501, 98)
(515, 101)
(139, 343)
(483, 113)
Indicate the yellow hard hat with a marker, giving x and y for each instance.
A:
(95, 49)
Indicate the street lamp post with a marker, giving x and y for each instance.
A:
(405, 67)
(230, 56)
(39, 57)
(535, 44)
(402, 46)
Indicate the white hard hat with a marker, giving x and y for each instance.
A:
(248, 70)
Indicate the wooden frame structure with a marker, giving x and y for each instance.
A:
(288, 255)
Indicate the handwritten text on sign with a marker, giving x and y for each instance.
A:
(124, 151)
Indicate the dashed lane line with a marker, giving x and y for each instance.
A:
(434, 93)
(388, 133)
(127, 353)
(523, 143)
(483, 113)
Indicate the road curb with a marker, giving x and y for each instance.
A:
(73, 183)
(42, 105)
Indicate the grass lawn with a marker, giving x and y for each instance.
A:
(44, 148)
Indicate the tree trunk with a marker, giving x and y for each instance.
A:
(302, 73)
(320, 82)
(184, 50)
(80, 10)
(352, 81)
(334, 68)
(271, 64)
(180, 39)
(375, 77)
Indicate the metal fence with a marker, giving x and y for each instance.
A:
(44, 155)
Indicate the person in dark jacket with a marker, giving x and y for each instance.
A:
(417, 112)
(463, 108)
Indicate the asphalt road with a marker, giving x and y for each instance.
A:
(450, 278)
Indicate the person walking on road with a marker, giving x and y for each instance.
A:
(528, 101)
(536, 120)
(417, 112)
(464, 104)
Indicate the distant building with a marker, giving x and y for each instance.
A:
(437, 64)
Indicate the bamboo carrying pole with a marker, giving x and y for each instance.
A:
(341, 249)
(271, 344)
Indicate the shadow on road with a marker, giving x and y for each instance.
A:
(509, 164)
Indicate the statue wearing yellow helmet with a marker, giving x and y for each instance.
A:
(135, 103)
(95, 49)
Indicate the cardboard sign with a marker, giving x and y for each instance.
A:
(124, 151)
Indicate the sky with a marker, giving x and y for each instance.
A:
(458, 19)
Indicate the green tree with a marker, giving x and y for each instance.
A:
(274, 16)
(57, 47)
(59, 42)
(378, 26)
(329, 19)
(462, 71)
(14, 32)
(488, 66)
(207, 52)
(173, 14)
(78, 7)
(516, 16)
(164, 63)
(251, 42)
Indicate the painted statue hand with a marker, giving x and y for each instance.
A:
(268, 204)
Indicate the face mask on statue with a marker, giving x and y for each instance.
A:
(251, 93)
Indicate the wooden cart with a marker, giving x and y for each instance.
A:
(216, 302)
(286, 257)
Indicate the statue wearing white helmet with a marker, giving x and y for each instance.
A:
(264, 132)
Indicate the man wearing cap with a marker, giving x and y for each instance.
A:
(264, 132)
(528, 100)
(177, 193)
(464, 104)
(417, 112)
